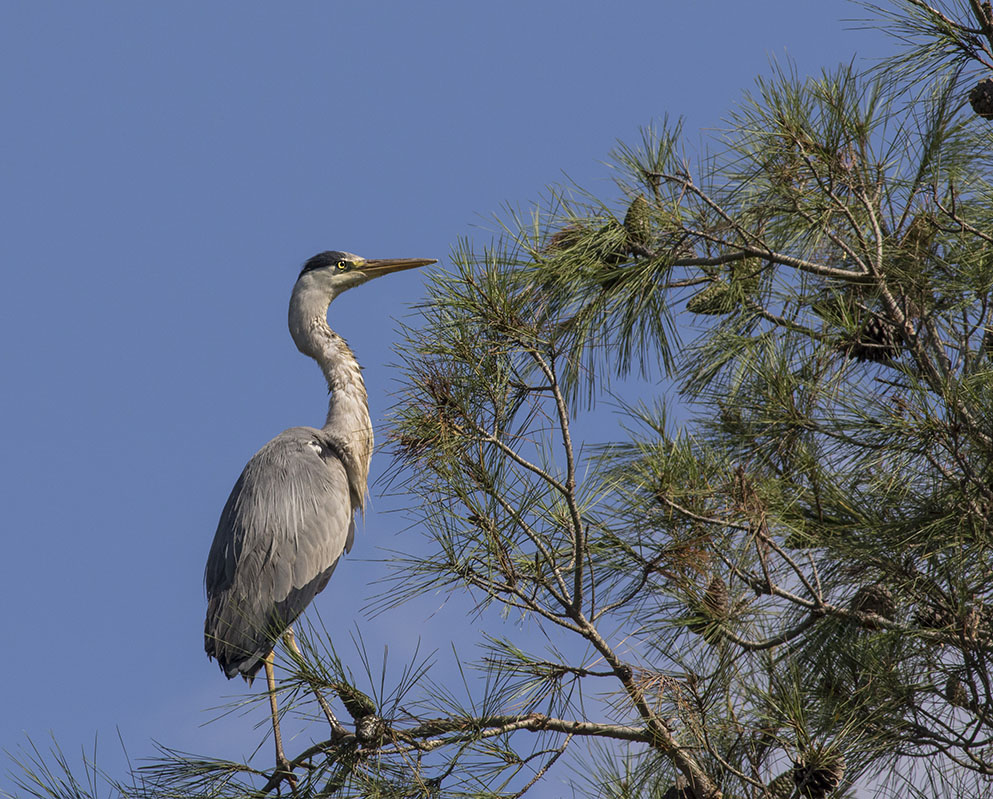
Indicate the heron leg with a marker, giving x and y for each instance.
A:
(282, 764)
(336, 726)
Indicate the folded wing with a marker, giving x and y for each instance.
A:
(288, 520)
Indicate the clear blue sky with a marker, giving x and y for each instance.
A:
(164, 171)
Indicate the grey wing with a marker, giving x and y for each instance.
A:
(287, 522)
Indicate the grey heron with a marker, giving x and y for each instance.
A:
(291, 514)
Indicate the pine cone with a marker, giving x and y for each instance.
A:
(356, 703)
(956, 693)
(563, 239)
(917, 238)
(934, 617)
(874, 341)
(714, 300)
(781, 787)
(875, 598)
(981, 98)
(817, 773)
(715, 598)
(606, 244)
(638, 223)
(711, 610)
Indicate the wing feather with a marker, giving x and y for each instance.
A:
(287, 522)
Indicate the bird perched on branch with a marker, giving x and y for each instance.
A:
(291, 515)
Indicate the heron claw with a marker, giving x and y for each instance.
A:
(284, 772)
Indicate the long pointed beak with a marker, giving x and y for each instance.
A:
(383, 266)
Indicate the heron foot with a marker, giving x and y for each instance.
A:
(284, 772)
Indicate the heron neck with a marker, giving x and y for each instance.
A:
(348, 417)
(348, 404)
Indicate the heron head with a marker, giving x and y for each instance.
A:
(323, 278)
(336, 271)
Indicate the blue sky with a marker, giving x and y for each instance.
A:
(164, 171)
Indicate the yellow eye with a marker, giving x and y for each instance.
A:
(342, 264)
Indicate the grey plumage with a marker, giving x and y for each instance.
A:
(291, 515)
(280, 536)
